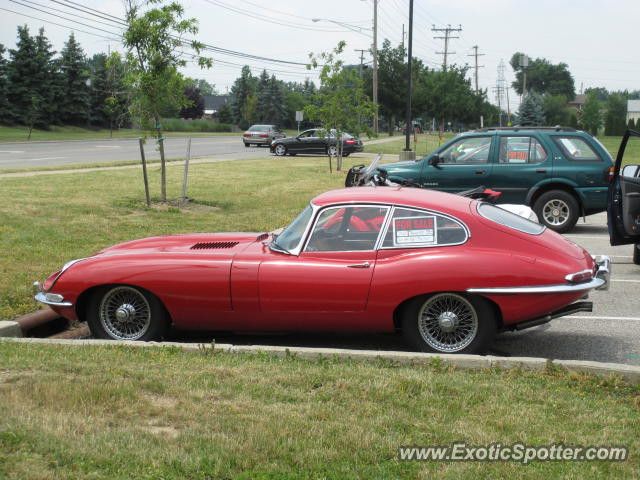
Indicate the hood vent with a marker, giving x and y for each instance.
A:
(263, 236)
(213, 245)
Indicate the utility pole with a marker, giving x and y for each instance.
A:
(447, 36)
(524, 63)
(476, 55)
(403, 34)
(408, 123)
(361, 59)
(375, 64)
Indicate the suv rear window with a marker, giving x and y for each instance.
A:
(576, 148)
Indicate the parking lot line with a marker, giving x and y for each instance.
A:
(624, 280)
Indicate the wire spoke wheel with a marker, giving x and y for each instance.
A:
(555, 212)
(125, 313)
(447, 322)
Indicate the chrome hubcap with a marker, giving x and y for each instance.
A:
(447, 322)
(555, 212)
(125, 313)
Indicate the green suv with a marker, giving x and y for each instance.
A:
(560, 172)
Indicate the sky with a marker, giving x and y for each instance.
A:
(597, 39)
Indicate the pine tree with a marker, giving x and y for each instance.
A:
(23, 76)
(49, 88)
(5, 110)
(262, 98)
(531, 111)
(242, 91)
(275, 111)
(75, 102)
(225, 115)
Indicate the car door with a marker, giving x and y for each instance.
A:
(332, 274)
(461, 165)
(522, 161)
(623, 203)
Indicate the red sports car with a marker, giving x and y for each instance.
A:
(447, 271)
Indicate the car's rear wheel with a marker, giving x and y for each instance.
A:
(332, 150)
(557, 210)
(247, 145)
(280, 150)
(449, 322)
(122, 312)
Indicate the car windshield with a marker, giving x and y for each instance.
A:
(259, 128)
(291, 236)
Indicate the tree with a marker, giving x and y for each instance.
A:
(631, 124)
(201, 84)
(23, 73)
(243, 98)
(225, 115)
(591, 118)
(262, 98)
(75, 101)
(49, 90)
(196, 107)
(531, 111)
(543, 77)
(341, 101)
(154, 42)
(5, 108)
(109, 100)
(392, 80)
(555, 109)
(602, 94)
(614, 119)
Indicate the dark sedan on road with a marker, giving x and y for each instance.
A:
(316, 141)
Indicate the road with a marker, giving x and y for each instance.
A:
(48, 154)
(611, 333)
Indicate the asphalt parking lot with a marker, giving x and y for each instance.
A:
(611, 333)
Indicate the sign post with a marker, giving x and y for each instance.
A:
(299, 118)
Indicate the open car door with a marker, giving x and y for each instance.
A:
(623, 205)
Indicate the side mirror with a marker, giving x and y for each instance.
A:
(631, 171)
(435, 160)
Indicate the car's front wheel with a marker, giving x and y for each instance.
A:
(332, 150)
(449, 322)
(280, 150)
(122, 312)
(557, 210)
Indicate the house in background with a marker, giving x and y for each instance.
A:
(633, 110)
(212, 104)
(578, 102)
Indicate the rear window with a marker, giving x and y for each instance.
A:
(260, 128)
(508, 219)
(418, 228)
(576, 148)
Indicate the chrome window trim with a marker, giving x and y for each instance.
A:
(433, 212)
(316, 216)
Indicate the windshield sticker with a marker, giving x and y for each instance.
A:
(412, 231)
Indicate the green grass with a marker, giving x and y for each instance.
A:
(128, 413)
(48, 220)
(58, 134)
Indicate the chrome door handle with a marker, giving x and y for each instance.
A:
(359, 265)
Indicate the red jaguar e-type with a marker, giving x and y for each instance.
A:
(447, 271)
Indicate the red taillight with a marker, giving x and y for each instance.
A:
(246, 135)
(264, 135)
(350, 141)
(608, 174)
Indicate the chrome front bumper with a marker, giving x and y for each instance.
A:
(600, 281)
(50, 298)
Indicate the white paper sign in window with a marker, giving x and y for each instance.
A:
(412, 231)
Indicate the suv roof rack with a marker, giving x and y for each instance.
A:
(557, 128)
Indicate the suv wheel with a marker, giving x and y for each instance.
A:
(557, 210)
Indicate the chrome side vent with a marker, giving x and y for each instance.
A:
(213, 245)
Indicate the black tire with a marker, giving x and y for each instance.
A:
(557, 210)
(449, 322)
(280, 150)
(346, 154)
(123, 312)
(636, 254)
(247, 145)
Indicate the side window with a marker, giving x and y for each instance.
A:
(347, 229)
(576, 148)
(416, 228)
(469, 150)
(521, 150)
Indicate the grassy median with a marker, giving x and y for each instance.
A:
(122, 413)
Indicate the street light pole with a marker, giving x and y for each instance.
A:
(375, 64)
(410, 42)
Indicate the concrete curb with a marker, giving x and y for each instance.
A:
(10, 329)
(630, 373)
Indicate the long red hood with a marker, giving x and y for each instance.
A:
(194, 242)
